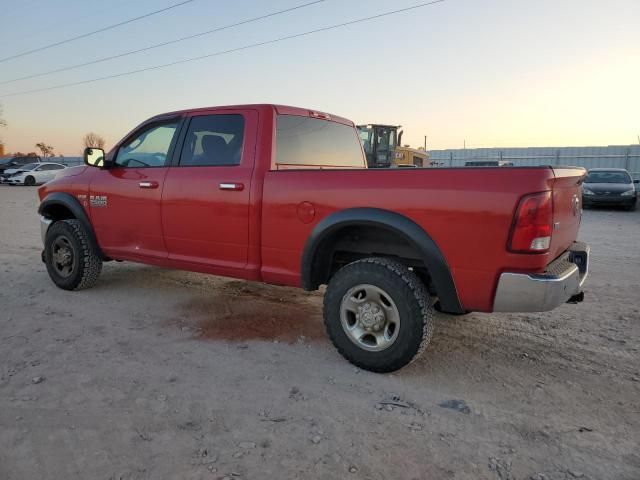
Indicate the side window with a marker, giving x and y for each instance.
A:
(50, 167)
(213, 140)
(149, 148)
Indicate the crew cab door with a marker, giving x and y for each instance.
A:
(205, 202)
(124, 200)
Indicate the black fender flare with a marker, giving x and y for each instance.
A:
(72, 204)
(430, 254)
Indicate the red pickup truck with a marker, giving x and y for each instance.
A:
(282, 195)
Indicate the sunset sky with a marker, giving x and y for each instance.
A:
(491, 72)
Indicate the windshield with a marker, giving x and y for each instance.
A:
(386, 139)
(608, 177)
(366, 137)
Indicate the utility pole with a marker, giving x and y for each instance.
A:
(425, 142)
(638, 139)
(465, 144)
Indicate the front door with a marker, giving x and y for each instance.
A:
(205, 202)
(125, 200)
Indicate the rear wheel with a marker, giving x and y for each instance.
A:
(29, 181)
(71, 259)
(378, 314)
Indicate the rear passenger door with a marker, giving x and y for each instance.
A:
(205, 202)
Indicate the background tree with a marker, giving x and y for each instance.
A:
(3, 123)
(47, 150)
(93, 140)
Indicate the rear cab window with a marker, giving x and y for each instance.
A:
(306, 142)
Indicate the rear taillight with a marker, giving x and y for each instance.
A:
(533, 223)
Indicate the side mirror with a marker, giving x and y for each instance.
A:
(94, 157)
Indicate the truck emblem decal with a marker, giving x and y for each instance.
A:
(98, 200)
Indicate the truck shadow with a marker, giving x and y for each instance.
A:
(241, 311)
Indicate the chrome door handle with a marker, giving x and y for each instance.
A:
(148, 184)
(232, 186)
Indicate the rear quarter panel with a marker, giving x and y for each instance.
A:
(467, 211)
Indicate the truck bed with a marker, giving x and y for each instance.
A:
(468, 212)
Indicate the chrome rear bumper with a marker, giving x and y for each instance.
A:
(562, 281)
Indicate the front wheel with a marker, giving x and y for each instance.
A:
(70, 257)
(378, 314)
(29, 181)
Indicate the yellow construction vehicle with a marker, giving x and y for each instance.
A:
(405, 156)
(383, 148)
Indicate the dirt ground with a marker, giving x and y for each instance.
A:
(158, 374)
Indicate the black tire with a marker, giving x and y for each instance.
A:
(70, 236)
(412, 303)
(29, 181)
(632, 208)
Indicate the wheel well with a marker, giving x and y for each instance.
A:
(354, 242)
(57, 212)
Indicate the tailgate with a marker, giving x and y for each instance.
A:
(567, 208)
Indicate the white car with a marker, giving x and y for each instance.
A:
(33, 173)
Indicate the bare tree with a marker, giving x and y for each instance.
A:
(93, 140)
(47, 150)
(3, 123)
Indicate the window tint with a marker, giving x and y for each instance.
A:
(147, 149)
(50, 167)
(315, 142)
(213, 140)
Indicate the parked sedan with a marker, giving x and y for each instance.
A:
(15, 163)
(609, 186)
(34, 174)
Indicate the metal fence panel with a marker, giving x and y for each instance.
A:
(614, 156)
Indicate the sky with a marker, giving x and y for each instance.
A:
(485, 73)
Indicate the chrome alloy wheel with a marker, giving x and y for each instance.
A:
(369, 317)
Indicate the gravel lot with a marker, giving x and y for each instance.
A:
(158, 374)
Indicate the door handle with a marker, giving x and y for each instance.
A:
(232, 186)
(148, 184)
